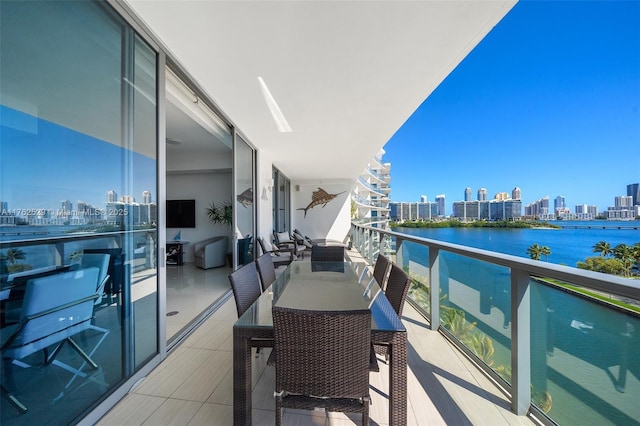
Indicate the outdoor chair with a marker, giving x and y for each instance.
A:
(285, 240)
(279, 257)
(245, 284)
(396, 291)
(327, 253)
(322, 360)
(55, 309)
(380, 270)
(266, 271)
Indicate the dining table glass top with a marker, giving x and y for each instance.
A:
(330, 286)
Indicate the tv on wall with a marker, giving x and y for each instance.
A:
(181, 213)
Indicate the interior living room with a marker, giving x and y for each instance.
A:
(198, 178)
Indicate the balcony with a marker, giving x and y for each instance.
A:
(471, 365)
(194, 385)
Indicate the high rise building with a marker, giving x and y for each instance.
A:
(623, 202)
(146, 197)
(633, 190)
(440, 200)
(112, 196)
(370, 194)
(482, 194)
(516, 193)
(467, 194)
(501, 196)
(559, 203)
(423, 199)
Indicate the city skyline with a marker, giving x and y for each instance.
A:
(549, 102)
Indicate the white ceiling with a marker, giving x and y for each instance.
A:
(346, 74)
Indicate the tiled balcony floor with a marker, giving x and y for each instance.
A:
(193, 386)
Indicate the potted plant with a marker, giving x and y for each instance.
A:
(221, 214)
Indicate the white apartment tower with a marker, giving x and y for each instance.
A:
(370, 194)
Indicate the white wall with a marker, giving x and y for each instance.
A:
(204, 187)
(331, 221)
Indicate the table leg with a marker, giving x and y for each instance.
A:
(241, 380)
(398, 380)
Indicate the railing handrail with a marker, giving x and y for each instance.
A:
(611, 284)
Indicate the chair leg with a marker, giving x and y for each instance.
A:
(8, 375)
(14, 401)
(82, 353)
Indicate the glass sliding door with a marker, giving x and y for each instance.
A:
(281, 202)
(244, 175)
(78, 174)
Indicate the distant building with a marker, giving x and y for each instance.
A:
(423, 198)
(412, 211)
(467, 194)
(559, 203)
(501, 196)
(539, 210)
(440, 200)
(516, 193)
(482, 194)
(624, 209)
(633, 190)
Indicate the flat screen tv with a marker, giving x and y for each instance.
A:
(181, 213)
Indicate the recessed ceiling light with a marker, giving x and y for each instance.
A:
(172, 141)
(278, 116)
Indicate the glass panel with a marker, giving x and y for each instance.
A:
(475, 306)
(77, 171)
(585, 356)
(244, 205)
(416, 262)
(144, 248)
(282, 194)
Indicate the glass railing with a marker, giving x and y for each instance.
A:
(366, 202)
(371, 187)
(565, 354)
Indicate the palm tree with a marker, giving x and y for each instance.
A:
(546, 251)
(535, 251)
(625, 254)
(602, 247)
(13, 255)
(635, 252)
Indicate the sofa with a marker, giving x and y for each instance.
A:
(211, 253)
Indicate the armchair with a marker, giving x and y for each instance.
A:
(211, 253)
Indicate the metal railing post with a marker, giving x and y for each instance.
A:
(434, 287)
(520, 342)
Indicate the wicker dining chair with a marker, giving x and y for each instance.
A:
(381, 269)
(327, 253)
(396, 291)
(245, 284)
(322, 360)
(266, 270)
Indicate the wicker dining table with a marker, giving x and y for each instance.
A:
(339, 286)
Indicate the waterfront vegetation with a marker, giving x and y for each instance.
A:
(623, 260)
(474, 224)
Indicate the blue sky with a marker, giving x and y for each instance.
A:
(549, 102)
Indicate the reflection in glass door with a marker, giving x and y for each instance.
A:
(244, 185)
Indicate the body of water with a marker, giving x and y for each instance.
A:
(568, 245)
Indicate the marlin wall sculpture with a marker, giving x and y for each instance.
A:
(246, 198)
(319, 197)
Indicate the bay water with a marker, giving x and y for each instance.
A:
(569, 245)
